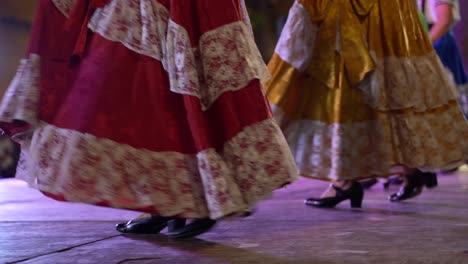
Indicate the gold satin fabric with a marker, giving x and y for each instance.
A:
(302, 97)
(352, 35)
(393, 28)
(341, 46)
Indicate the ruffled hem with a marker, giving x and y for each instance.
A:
(228, 57)
(297, 40)
(418, 83)
(21, 99)
(225, 58)
(144, 33)
(82, 168)
(242, 166)
(431, 141)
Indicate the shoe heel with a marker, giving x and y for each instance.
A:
(175, 224)
(430, 180)
(356, 196)
(356, 201)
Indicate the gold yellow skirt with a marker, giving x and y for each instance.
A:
(368, 94)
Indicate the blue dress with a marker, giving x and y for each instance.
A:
(447, 49)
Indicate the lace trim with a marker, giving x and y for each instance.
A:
(226, 58)
(87, 169)
(369, 149)
(139, 25)
(297, 40)
(21, 99)
(245, 13)
(420, 83)
(64, 6)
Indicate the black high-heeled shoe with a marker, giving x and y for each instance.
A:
(195, 228)
(175, 224)
(367, 184)
(149, 225)
(355, 194)
(392, 181)
(430, 180)
(415, 185)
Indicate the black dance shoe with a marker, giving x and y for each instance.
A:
(195, 228)
(415, 185)
(392, 181)
(175, 224)
(367, 184)
(149, 225)
(355, 194)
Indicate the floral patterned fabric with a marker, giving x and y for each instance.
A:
(370, 148)
(82, 168)
(146, 118)
(225, 59)
(413, 82)
(22, 97)
(228, 56)
(64, 6)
